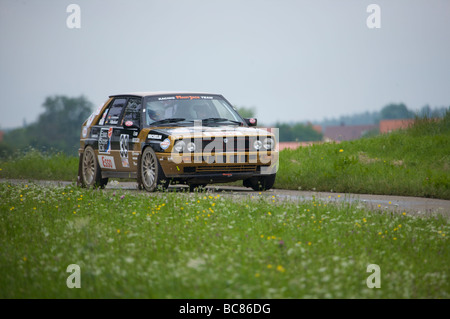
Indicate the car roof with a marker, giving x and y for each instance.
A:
(155, 93)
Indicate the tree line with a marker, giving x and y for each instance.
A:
(391, 111)
(57, 128)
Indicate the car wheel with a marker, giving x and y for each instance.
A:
(91, 175)
(151, 173)
(260, 183)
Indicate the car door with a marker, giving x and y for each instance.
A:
(125, 135)
(108, 128)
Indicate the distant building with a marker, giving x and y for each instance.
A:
(387, 126)
(347, 133)
(317, 128)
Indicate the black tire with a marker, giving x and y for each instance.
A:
(91, 174)
(260, 183)
(151, 175)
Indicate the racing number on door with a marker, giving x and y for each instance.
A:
(124, 142)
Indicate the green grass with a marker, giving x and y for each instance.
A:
(201, 245)
(413, 162)
(33, 164)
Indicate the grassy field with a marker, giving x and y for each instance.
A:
(413, 162)
(37, 165)
(201, 245)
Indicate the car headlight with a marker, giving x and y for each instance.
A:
(190, 147)
(257, 144)
(179, 146)
(269, 143)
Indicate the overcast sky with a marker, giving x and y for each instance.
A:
(291, 60)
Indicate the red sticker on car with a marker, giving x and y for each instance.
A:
(252, 120)
(106, 162)
(128, 123)
(186, 97)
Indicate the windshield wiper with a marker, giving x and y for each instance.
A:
(220, 119)
(165, 121)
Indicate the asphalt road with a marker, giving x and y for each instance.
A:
(411, 205)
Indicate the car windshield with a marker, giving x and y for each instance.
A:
(184, 109)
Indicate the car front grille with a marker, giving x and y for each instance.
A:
(227, 144)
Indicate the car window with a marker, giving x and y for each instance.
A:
(188, 107)
(224, 111)
(132, 111)
(114, 112)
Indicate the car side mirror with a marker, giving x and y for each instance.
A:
(251, 121)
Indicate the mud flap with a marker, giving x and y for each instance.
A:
(79, 182)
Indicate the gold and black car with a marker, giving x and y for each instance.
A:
(162, 138)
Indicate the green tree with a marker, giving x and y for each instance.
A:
(395, 111)
(297, 132)
(246, 112)
(57, 128)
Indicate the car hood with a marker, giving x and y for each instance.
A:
(209, 131)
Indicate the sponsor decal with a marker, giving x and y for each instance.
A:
(102, 120)
(154, 136)
(104, 140)
(97, 112)
(90, 119)
(84, 131)
(128, 123)
(165, 144)
(94, 114)
(135, 140)
(135, 133)
(106, 162)
(252, 120)
(165, 98)
(124, 141)
(187, 97)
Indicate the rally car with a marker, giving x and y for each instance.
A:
(163, 138)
